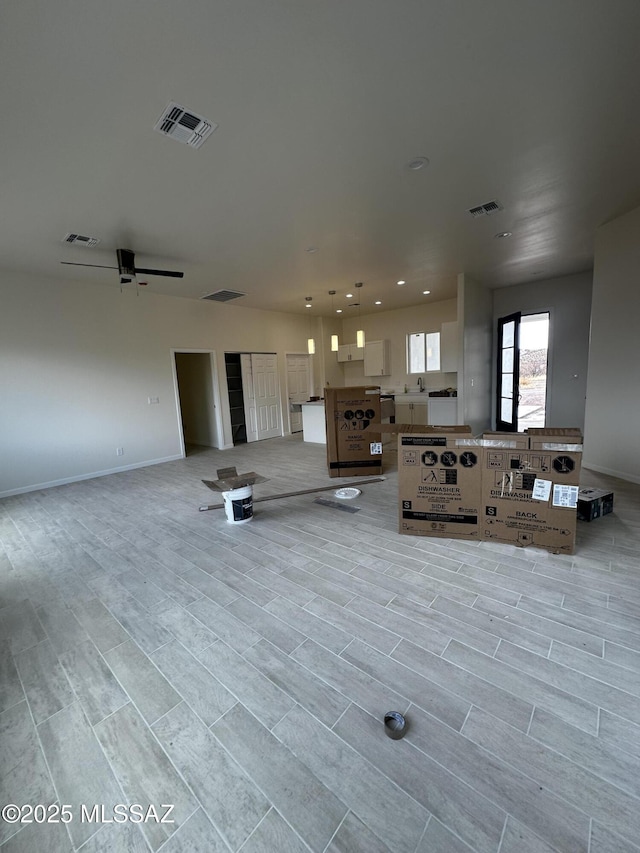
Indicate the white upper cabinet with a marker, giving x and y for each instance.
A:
(377, 358)
(350, 352)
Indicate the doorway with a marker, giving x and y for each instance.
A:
(298, 388)
(194, 379)
(523, 355)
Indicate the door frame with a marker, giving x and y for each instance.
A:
(217, 413)
(503, 425)
(286, 381)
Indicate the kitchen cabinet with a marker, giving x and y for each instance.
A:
(377, 361)
(411, 412)
(449, 348)
(350, 352)
(420, 409)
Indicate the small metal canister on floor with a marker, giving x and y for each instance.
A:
(395, 725)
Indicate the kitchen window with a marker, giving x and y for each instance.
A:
(423, 352)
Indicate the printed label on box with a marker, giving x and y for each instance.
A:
(375, 448)
(541, 490)
(566, 496)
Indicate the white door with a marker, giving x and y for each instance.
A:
(248, 392)
(298, 385)
(265, 390)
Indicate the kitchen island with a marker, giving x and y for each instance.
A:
(313, 424)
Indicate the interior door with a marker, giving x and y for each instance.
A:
(267, 399)
(508, 393)
(248, 392)
(298, 384)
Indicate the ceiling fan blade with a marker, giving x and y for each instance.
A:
(99, 266)
(169, 273)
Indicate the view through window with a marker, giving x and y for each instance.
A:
(534, 346)
(423, 352)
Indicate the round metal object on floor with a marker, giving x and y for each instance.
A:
(395, 725)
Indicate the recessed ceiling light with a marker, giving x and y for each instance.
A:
(338, 310)
(503, 234)
(311, 250)
(417, 163)
(307, 306)
(378, 302)
(401, 282)
(426, 292)
(349, 296)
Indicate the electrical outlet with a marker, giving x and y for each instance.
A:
(119, 451)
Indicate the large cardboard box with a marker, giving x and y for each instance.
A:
(529, 497)
(354, 442)
(439, 482)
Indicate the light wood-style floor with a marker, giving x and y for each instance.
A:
(154, 654)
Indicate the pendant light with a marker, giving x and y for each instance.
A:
(360, 332)
(311, 344)
(335, 343)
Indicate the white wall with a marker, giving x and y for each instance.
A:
(475, 330)
(568, 301)
(612, 419)
(78, 362)
(394, 326)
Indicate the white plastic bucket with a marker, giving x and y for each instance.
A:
(238, 505)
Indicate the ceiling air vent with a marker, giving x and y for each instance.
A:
(223, 295)
(184, 126)
(486, 209)
(79, 240)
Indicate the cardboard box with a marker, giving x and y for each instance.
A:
(593, 503)
(354, 441)
(539, 438)
(529, 497)
(396, 429)
(439, 483)
(229, 479)
(515, 439)
(554, 431)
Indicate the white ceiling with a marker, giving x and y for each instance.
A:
(320, 106)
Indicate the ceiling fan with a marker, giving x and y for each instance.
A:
(127, 268)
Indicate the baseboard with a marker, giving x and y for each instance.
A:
(66, 480)
(621, 475)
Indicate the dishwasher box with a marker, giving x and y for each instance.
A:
(530, 497)
(354, 440)
(594, 503)
(439, 484)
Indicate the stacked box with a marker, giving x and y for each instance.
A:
(530, 496)
(439, 480)
(508, 487)
(354, 441)
(515, 439)
(594, 503)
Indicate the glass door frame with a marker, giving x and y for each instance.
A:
(508, 364)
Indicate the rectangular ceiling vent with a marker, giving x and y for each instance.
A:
(184, 126)
(223, 295)
(486, 209)
(79, 240)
